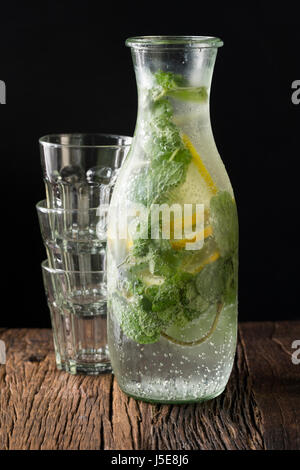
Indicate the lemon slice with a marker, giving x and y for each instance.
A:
(178, 224)
(213, 257)
(195, 266)
(194, 329)
(194, 262)
(198, 187)
(151, 280)
(178, 244)
(129, 243)
(199, 164)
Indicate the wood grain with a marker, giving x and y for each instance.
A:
(276, 380)
(42, 408)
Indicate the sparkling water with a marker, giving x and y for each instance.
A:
(169, 372)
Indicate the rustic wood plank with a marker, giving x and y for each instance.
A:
(276, 380)
(42, 408)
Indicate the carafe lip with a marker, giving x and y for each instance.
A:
(173, 42)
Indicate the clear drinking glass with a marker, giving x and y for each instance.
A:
(74, 239)
(80, 170)
(77, 303)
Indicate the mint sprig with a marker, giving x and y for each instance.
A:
(224, 221)
(170, 84)
(147, 311)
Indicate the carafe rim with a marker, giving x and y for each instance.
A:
(173, 42)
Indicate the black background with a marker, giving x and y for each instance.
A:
(67, 69)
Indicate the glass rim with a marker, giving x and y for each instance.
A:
(199, 42)
(45, 266)
(48, 140)
(41, 206)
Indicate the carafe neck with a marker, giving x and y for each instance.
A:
(175, 69)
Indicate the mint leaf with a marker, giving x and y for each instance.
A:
(140, 248)
(170, 84)
(193, 303)
(136, 323)
(169, 158)
(224, 221)
(231, 270)
(165, 81)
(168, 80)
(152, 185)
(211, 281)
(196, 94)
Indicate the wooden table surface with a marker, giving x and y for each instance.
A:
(42, 408)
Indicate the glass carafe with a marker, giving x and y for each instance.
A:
(173, 234)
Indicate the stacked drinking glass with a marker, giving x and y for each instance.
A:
(80, 171)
